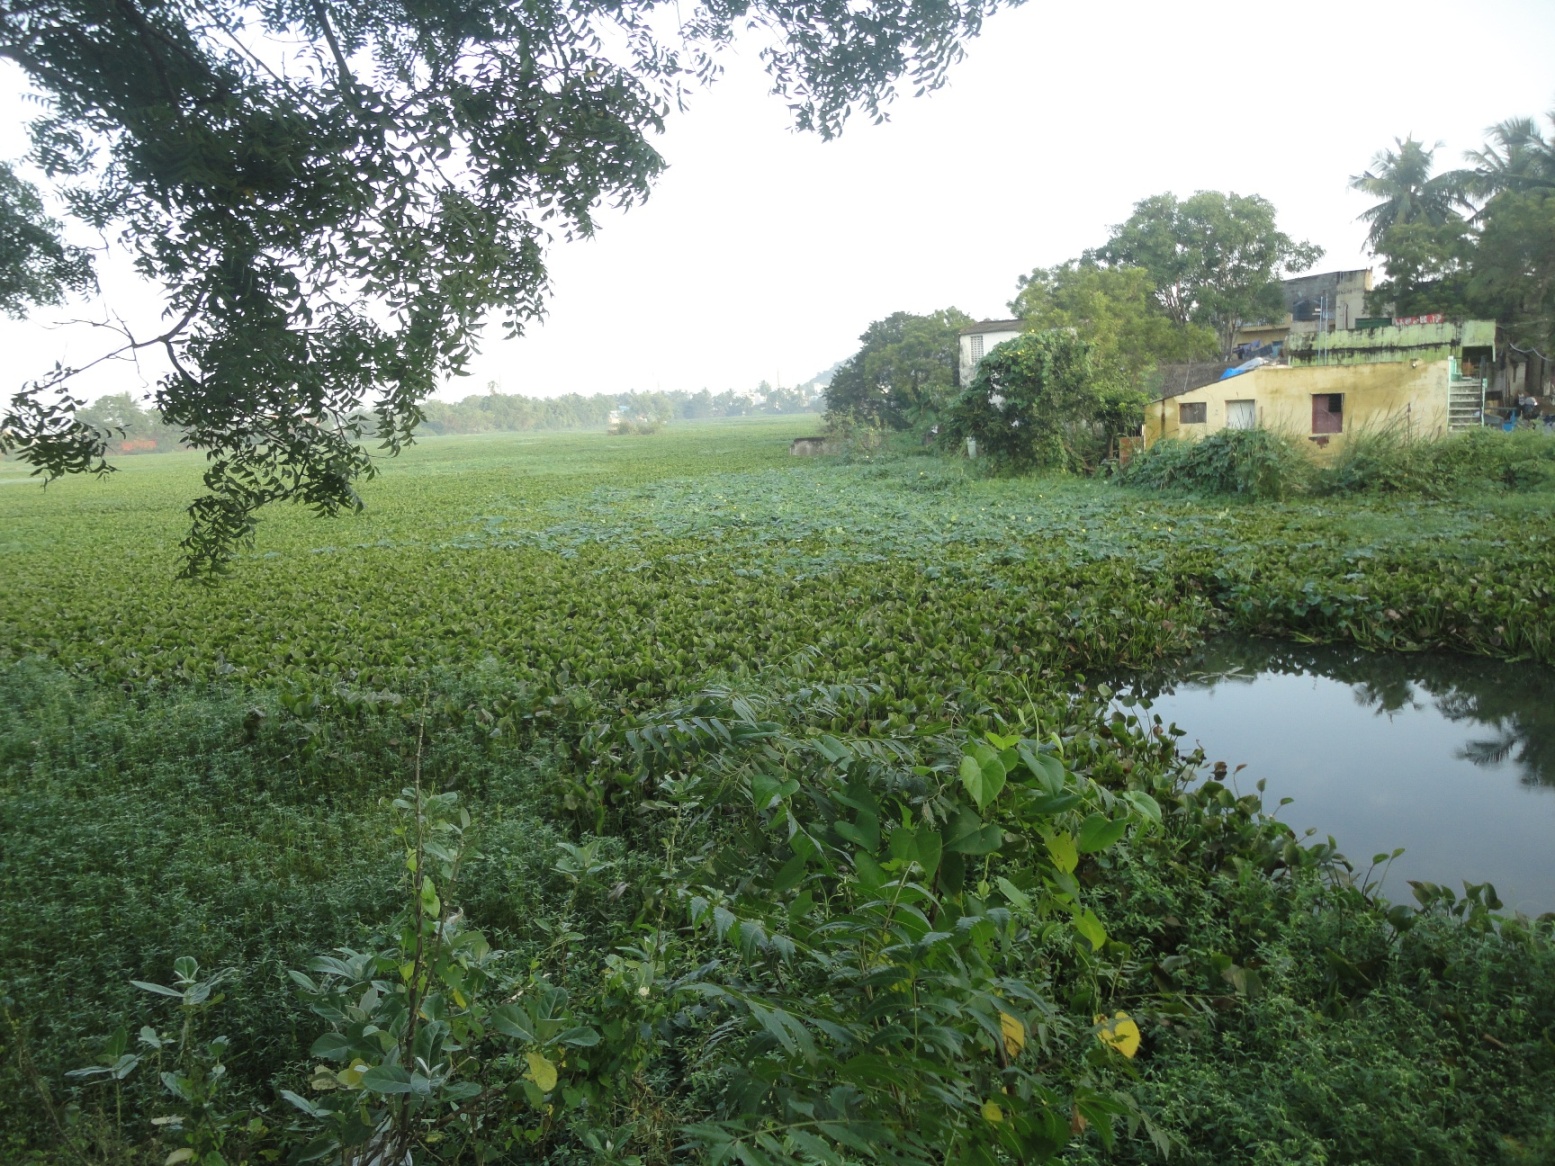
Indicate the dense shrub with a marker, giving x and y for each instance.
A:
(1381, 462)
(1389, 462)
(1037, 403)
(1250, 463)
(1258, 463)
(627, 426)
(858, 437)
(1357, 1045)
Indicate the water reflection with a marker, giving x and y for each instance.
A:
(1512, 705)
(1451, 757)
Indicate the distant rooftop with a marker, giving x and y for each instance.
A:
(1324, 283)
(1349, 274)
(993, 326)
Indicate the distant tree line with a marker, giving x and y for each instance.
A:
(495, 412)
(132, 427)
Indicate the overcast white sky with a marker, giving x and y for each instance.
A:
(762, 254)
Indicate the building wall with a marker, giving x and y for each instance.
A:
(1376, 396)
(1344, 292)
(1341, 293)
(809, 447)
(991, 340)
(1407, 342)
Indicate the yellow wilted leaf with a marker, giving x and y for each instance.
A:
(1014, 1034)
(352, 1078)
(992, 1112)
(1120, 1033)
(1063, 851)
(541, 1072)
(178, 1156)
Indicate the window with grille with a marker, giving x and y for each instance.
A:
(977, 349)
(1327, 412)
(1193, 413)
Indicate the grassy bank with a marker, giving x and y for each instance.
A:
(621, 653)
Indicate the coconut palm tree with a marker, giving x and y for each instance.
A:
(1517, 156)
(1408, 191)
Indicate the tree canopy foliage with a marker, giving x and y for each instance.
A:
(36, 266)
(1036, 403)
(1516, 156)
(1408, 193)
(1171, 284)
(334, 197)
(1478, 240)
(904, 372)
(1216, 259)
(1115, 310)
(1512, 268)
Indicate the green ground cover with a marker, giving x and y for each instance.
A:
(620, 652)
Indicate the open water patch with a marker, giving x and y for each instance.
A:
(1450, 757)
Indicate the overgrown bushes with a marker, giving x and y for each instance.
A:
(1261, 464)
(630, 426)
(1387, 462)
(1036, 403)
(1251, 463)
(770, 923)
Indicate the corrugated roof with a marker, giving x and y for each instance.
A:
(1180, 378)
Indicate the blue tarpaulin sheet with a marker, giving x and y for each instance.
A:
(1245, 366)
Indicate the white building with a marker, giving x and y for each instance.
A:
(978, 340)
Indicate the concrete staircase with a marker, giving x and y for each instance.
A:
(1465, 403)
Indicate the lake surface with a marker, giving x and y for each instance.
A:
(1450, 757)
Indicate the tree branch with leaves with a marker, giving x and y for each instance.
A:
(339, 196)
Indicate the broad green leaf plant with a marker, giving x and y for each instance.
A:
(430, 1041)
(875, 931)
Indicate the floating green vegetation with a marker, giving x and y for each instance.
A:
(709, 548)
(794, 835)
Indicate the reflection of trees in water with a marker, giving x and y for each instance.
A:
(1492, 752)
(1516, 702)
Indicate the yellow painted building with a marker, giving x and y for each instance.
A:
(1324, 403)
(1409, 380)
